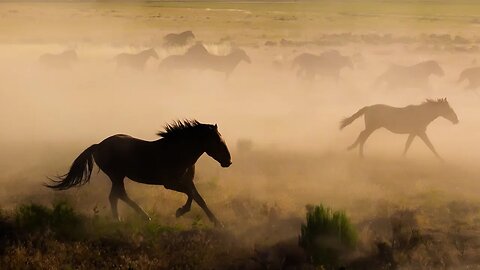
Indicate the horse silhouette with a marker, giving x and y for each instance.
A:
(135, 61)
(473, 77)
(62, 60)
(327, 64)
(168, 161)
(415, 76)
(180, 39)
(197, 57)
(192, 59)
(412, 120)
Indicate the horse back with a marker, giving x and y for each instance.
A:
(395, 119)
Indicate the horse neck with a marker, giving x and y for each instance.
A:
(424, 69)
(234, 58)
(187, 150)
(145, 54)
(427, 113)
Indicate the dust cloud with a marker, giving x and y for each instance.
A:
(282, 130)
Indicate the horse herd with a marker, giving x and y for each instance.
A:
(308, 66)
(170, 160)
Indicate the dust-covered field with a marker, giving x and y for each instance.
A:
(412, 212)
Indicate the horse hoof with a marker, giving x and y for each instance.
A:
(219, 225)
(179, 212)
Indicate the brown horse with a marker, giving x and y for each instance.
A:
(135, 61)
(169, 161)
(197, 57)
(328, 64)
(415, 76)
(62, 60)
(473, 77)
(180, 39)
(412, 120)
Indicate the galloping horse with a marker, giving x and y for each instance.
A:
(473, 77)
(63, 60)
(192, 59)
(180, 39)
(136, 61)
(169, 161)
(412, 120)
(197, 57)
(328, 64)
(415, 76)
(226, 63)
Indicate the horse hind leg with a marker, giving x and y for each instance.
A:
(113, 198)
(119, 192)
(363, 138)
(360, 139)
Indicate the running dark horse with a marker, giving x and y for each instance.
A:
(168, 161)
(136, 61)
(415, 76)
(63, 60)
(328, 64)
(473, 77)
(412, 120)
(197, 57)
(180, 39)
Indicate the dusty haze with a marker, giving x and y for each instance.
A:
(298, 154)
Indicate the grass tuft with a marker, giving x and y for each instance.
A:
(327, 235)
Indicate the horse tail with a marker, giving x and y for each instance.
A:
(79, 173)
(347, 121)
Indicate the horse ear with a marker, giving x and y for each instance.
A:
(216, 126)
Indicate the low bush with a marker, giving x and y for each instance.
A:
(326, 236)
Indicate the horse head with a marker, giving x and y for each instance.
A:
(435, 68)
(241, 55)
(189, 35)
(70, 55)
(216, 147)
(153, 53)
(444, 110)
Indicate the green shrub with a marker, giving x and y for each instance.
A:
(32, 217)
(327, 235)
(61, 220)
(65, 222)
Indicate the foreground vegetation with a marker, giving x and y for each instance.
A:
(39, 237)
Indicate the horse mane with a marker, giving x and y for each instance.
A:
(434, 101)
(427, 63)
(179, 128)
(146, 51)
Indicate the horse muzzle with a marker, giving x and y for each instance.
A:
(226, 164)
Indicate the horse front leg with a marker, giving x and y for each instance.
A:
(199, 200)
(187, 191)
(409, 142)
(425, 139)
(186, 208)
